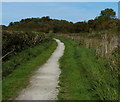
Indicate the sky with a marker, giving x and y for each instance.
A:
(71, 11)
(60, 0)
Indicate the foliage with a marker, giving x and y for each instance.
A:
(10, 65)
(19, 78)
(106, 20)
(17, 41)
(84, 76)
(104, 43)
(108, 12)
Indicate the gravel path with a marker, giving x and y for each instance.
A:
(44, 83)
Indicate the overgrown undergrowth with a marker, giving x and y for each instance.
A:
(10, 65)
(27, 61)
(85, 76)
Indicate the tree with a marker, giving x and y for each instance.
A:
(46, 18)
(81, 27)
(11, 23)
(108, 13)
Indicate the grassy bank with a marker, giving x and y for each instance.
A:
(10, 65)
(85, 76)
(19, 78)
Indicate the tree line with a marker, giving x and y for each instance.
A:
(105, 21)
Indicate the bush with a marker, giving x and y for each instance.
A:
(14, 41)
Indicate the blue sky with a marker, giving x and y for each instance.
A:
(71, 11)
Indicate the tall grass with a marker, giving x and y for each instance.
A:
(105, 45)
(84, 76)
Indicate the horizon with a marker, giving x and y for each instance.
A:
(70, 11)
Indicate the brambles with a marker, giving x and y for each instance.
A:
(23, 57)
(17, 48)
(14, 41)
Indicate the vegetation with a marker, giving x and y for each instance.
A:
(85, 76)
(22, 67)
(10, 65)
(106, 21)
(14, 41)
(108, 13)
(90, 67)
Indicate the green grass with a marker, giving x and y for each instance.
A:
(19, 78)
(10, 65)
(84, 76)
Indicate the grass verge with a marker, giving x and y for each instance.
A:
(84, 76)
(19, 78)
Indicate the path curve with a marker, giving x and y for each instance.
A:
(43, 85)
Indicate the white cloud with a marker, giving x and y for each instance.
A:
(60, 0)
